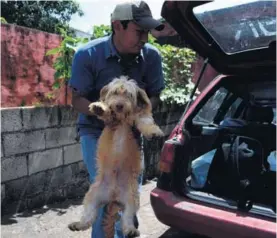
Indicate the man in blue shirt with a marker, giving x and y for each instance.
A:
(125, 52)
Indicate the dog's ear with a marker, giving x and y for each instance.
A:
(143, 101)
(103, 92)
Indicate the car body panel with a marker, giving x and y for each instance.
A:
(188, 215)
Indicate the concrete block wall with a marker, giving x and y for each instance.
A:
(41, 159)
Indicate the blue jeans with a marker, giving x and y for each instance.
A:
(88, 145)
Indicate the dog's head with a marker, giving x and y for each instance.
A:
(125, 98)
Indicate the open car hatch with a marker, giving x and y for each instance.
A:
(236, 36)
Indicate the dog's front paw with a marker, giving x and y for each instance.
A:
(97, 108)
(78, 226)
(131, 232)
(155, 132)
(158, 132)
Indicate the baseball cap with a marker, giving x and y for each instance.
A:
(138, 12)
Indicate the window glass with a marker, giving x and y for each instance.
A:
(239, 25)
(232, 110)
(208, 112)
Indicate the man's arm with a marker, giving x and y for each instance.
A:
(81, 82)
(80, 104)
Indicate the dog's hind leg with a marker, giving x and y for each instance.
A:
(131, 206)
(96, 195)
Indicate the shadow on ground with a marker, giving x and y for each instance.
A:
(60, 207)
(11, 212)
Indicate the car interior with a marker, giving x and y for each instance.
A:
(229, 156)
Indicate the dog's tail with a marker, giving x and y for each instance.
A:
(110, 217)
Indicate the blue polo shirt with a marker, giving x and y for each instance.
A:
(97, 63)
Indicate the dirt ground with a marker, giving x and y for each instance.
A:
(51, 221)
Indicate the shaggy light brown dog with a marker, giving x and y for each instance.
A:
(122, 105)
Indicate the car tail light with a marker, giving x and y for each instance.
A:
(168, 151)
(167, 156)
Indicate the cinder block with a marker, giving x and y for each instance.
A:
(60, 136)
(165, 107)
(68, 180)
(35, 201)
(13, 168)
(173, 117)
(68, 116)
(36, 183)
(20, 142)
(79, 183)
(11, 119)
(2, 148)
(48, 159)
(59, 177)
(160, 118)
(3, 192)
(82, 166)
(55, 195)
(40, 117)
(72, 153)
(16, 189)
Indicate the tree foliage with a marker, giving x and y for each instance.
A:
(176, 63)
(102, 30)
(46, 16)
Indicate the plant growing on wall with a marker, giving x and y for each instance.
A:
(176, 65)
(64, 53)
(62, 63)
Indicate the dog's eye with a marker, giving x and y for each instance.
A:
(129, 95)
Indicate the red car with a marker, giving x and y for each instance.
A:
(218, 166)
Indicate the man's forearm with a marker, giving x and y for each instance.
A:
(80, 104)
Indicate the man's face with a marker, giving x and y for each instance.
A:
(132, 38)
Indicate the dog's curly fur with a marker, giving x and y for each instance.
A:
(122, 105)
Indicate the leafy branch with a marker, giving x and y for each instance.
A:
(65, 52)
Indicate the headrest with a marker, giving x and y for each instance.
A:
(259, 114)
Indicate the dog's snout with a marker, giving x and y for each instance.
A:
(119, 107)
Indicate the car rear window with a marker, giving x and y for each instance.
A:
(233, 109)
(239, 25)
(208, 112)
